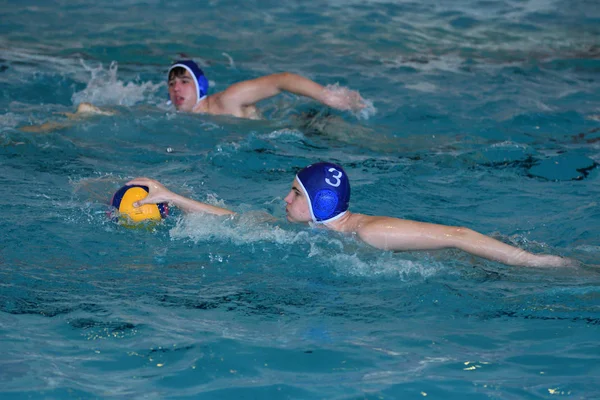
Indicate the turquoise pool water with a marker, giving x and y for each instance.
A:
(485, 114)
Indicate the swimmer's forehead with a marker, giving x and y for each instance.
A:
(185, 75)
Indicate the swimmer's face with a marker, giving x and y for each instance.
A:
(182, 91)
(297, 205)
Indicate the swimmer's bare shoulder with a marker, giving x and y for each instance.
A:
(84, 110)
(223, 103)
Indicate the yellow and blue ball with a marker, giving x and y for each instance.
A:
(124, 198)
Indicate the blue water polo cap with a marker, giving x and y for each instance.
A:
(327, 188)
(199, 78)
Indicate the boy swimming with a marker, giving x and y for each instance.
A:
(320, 194)
(188, 91)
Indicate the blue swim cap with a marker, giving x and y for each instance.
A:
(199, 78)
(327, 188)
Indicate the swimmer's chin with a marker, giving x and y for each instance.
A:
(182, 110)
(293, 221)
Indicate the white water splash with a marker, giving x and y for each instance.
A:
(342, 98)
(231, 62)
(105, 89)
(424, 87)
(385, 265)
(328, 248)
(250, 227)
(284, 135)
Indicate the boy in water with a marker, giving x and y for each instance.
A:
(188, 91)
(320, 194)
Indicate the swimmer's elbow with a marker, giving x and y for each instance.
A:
(287, 75)
(459, 235)
(463, 232)
(285, 80)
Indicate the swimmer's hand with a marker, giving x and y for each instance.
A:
(157, 192)
(552, 261)
(343, 98)
(88, 109)
(84, 110)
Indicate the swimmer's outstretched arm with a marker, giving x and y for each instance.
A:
(396, 234)
(157, 193)
(250, 92)
(84, 110)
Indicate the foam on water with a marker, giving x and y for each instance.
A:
(10, 120)
(250, 227)
(385, 266)
(285, 135)
(324, 246)
(361, 108)
(104, 88)
(424, 87)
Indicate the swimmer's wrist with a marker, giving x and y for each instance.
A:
(175, 199)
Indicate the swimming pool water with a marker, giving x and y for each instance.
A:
(485, 114)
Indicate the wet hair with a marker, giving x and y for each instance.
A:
(176, 72)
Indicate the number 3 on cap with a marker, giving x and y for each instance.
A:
(337, 177)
